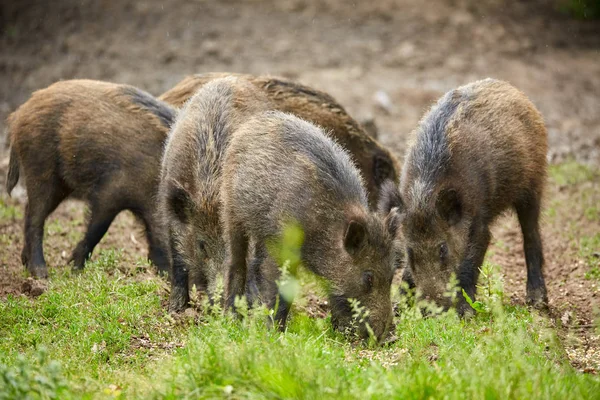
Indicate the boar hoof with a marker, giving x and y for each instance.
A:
(537, 299)
(178, 300)
(464, 310)
(38, 271)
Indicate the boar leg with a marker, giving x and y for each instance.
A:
(277, 301)
(100, 220)
(408, 279)
(266, 273)
(180, 296)
(237, 268)
(41, 204)
(479, 240)
(254, 280)
(528, 211)
(157, 249)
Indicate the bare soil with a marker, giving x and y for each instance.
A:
(387, 59)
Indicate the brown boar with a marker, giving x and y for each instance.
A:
(93, 141)
(281, 170)
(190, 182)
(375, 162)
(479, 151)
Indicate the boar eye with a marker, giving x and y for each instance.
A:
(368, 280)
(443, 252)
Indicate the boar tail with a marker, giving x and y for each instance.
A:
(13, 171)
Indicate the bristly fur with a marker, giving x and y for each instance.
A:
(165, 113)
(374, 161)
(390, 198)
(431, 153)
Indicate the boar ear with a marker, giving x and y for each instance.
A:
(354, 237)
(449, 206)
(389, 198)
(180, 202)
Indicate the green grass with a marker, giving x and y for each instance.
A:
(104, 334)
(90, 323)
(589, 250)
(572, 173)
(581, 9)
(9, 212)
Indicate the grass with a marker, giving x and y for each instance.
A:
(581, 9)
(589, 250)
(105, 334)
(572, 173)
(9, 212)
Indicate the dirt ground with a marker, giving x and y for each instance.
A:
(386, 59)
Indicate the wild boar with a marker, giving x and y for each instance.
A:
(94, 141)
(191, 178)
(478, 152)
(281, 170)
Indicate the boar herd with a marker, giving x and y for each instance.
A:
(217, 167)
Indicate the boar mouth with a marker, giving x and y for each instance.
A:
(342, 318)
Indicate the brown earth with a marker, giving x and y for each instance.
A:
(387, 59)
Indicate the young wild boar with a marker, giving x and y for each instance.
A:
(190, 182)
(94, 141)
(375, 162)
(478, 152)
(282, 170)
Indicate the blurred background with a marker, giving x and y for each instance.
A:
(382, 59)
(387, 59)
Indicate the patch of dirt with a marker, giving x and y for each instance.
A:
(574, 299)
(387, 59)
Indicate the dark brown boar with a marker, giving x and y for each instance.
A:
(479, 151)
(282, 170)
(190, 182)
(375, 162)
(93, 141)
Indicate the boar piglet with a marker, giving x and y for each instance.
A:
(94, 141)
(479, 151)
(281, 170)
(190, 183)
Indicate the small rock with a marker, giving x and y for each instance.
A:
(566, 317)
(382, 99)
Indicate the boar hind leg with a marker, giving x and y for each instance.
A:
(528, 211)
(100, 220)
(407, 283)
(278, 303)
(267, 273)
(41, 204)
(254, 280)
(237, 268)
